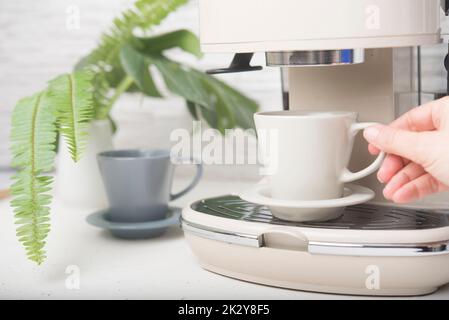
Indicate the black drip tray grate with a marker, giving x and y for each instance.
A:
(360, 217)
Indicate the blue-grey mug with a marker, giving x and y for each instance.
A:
(138, 183)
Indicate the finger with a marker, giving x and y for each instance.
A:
(373, 150)
(407, 144)
(418, 188)
(409, 173)
(427, 117)
(424, 118)
(391, 165)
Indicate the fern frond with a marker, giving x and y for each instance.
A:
(33, 143)
(72, 94)
(105, 59)
(144, 15)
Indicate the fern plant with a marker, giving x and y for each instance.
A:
(65, 106)
(72, 96)
(104, 60)
(120, 63)
(33, 136)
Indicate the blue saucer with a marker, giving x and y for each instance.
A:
(135, 230)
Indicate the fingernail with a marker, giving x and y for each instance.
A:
(379, 177)
(387, 189)
(385, 193)
(371, 133)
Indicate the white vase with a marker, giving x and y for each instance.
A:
(79, 184)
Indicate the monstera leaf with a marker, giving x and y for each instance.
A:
(220, 105)
(183, 39)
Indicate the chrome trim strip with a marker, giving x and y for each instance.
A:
(223, 236)
(379, 250)
(314, 57)
(325, 248)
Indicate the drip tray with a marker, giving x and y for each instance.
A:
(360, 217)
(369, 250)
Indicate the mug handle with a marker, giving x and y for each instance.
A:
(349, 176)
(196, 179)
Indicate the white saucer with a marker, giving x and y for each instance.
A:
(314, 210)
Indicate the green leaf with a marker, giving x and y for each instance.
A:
(239, 107)
(137, 67)
(144, 15)
(72, 94)
(183, 39)
(113, 76)
(113, 124)
(221, 106)
(181, 81)
(193, 109)
(211, 117)
(104, 61)
(33, 139)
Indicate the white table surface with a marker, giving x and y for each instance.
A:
(110, 268)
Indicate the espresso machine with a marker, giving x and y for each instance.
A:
(353, 55)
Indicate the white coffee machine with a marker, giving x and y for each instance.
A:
(354, 55)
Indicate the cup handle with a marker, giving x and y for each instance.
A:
(196, 179)
(349, 176)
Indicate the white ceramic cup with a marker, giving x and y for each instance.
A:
(305, 154)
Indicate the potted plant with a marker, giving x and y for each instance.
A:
(73, 103)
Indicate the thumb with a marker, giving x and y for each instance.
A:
(407, 144)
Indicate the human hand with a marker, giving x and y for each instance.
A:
(417, 147)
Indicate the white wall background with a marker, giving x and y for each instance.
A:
(36, 45)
